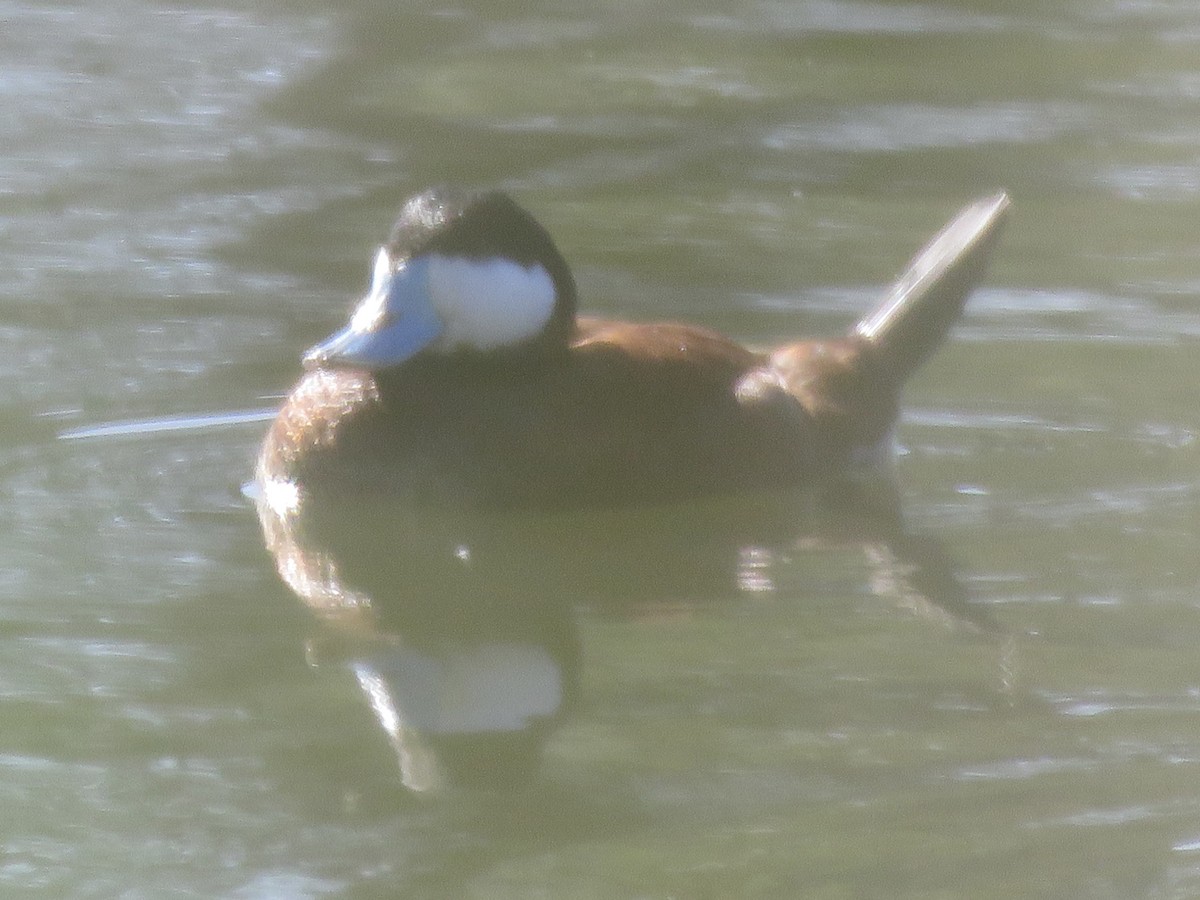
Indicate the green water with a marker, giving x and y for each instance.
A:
(189, 196)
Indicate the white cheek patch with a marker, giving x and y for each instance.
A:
(487, 304)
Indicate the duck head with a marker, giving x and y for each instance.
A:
(459, 273)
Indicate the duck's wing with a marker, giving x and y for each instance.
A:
(663, 347)
(659, 407)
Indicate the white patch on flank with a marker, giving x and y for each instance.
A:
(487, 304)
(281, 496)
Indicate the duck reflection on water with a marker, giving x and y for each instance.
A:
(462, 630)
(466, 465)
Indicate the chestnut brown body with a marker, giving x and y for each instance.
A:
(617, 412)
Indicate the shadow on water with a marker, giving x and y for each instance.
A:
(461, 629)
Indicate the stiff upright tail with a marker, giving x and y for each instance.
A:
(929, 296)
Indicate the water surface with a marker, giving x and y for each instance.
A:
(190, 195)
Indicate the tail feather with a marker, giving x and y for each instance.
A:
(926, 300)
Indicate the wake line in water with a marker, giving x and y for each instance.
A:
(168, 423)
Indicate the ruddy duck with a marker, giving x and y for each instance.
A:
(465, 377)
